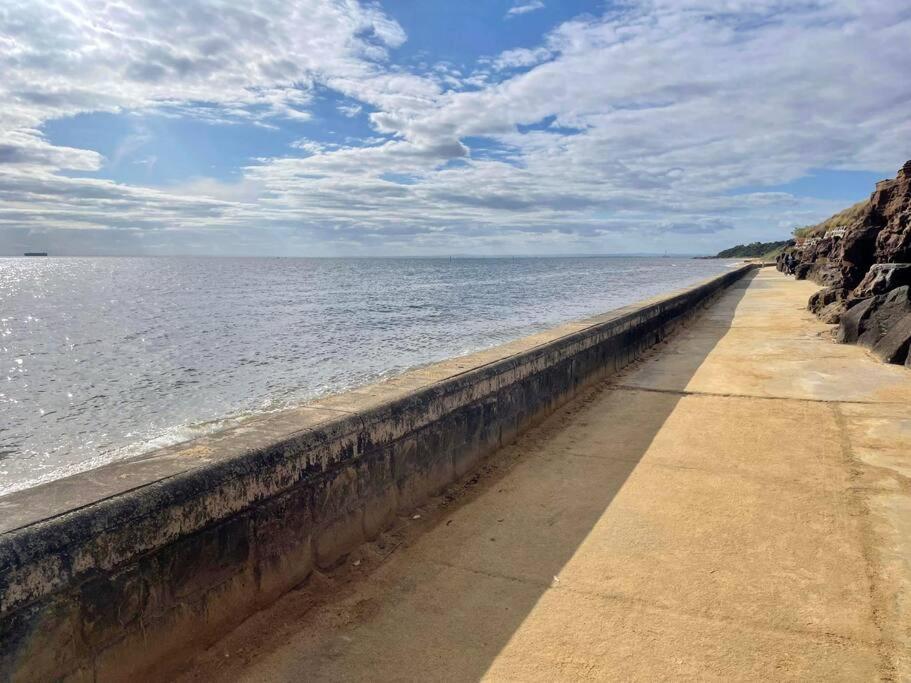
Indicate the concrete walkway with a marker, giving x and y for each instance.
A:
(736, 506)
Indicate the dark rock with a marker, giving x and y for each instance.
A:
(850, 325)
(831, 314)
(828, 275)
(857, 254)
(781, 260)
(802, 270)
(865, 267)
(825, 248)
(883, 277)
(893, 347)
(787, 260)
(823, 298)
(891, 203)
(885, 312)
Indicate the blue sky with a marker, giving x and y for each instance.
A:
(819, 183)
(160, 150)
(461, 33)
(335, 127)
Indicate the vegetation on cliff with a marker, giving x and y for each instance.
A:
(771, 250)
(840, 219)
(753, 250)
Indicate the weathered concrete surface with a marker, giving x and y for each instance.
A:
(122, 572)
(735, 507)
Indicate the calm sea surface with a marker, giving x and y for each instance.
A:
(104, 358)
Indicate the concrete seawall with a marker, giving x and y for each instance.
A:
(128, 569)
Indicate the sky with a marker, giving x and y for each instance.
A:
(432, 127)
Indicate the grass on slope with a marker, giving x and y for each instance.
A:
(846, 217)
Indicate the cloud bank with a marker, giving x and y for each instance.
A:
(628, 131)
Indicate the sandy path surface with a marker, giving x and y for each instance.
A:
(735, 506)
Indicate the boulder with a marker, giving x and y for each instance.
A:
(823, 298)
(883, 277)
(882, 314)
(852, 321)
(893, 346)
(893, 307)
(831, 314)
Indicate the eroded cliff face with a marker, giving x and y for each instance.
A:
(865, 268)
(892, 204)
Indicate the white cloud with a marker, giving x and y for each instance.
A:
(250, 62)
(350, 110)
(637, 125)
(524, 8)
(521, 57)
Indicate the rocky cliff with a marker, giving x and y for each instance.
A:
(864, 266)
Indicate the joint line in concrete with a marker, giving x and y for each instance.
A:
(795, 399)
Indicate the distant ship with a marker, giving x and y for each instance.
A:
(36, 253)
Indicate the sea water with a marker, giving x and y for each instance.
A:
(105, 358)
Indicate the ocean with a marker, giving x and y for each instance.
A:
(105, 358)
